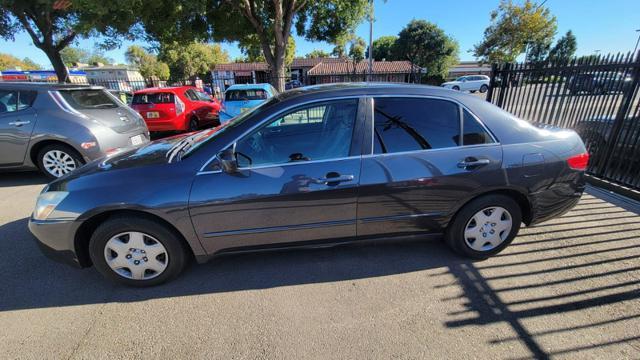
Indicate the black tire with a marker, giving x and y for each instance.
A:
(456, 88)
(193, 124)
(472, 91)
(65, 149)
(484, 89)
(454, 235)
(175, 248)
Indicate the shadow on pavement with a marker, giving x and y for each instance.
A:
(576, 267)
(22, 178)
(32, 281)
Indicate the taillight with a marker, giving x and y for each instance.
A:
(179, 106)
(579, 162)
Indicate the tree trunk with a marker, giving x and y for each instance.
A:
(58, 65)
(278, 69)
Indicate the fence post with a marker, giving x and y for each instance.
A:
(618, 124)
(492, 82)
(503, 82)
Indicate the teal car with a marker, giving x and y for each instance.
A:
(240, 98)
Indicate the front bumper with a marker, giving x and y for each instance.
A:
(55, 240)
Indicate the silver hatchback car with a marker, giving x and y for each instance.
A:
(58, 127)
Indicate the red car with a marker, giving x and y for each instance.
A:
(183, 108)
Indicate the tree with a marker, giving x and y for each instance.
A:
(55, 24)
(564, 49)
(98, 56)
(71, 55)
(271, 22)
(426, 45)
(8, 62)
(193, 59)
(147, 63)
(252, 50)
(383, 48)
(317, 53)
(512, 28)
(538, 52)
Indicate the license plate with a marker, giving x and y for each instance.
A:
(137, 140)
(153, 115)
(244, 109)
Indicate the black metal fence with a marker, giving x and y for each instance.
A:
(597, 96)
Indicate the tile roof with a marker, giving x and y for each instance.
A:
(311, 62)
(255, 66)
(379, 67)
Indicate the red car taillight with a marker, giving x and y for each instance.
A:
(579, 162)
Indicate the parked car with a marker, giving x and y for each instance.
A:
(599, 83)
(56, 127)
(292, 84)
(471, 83)
(310, 167)
(124, 96)
(182, 108)
(240, 98)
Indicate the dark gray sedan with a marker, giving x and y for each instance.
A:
(315, 166)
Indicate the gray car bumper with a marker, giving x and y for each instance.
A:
(55, 240)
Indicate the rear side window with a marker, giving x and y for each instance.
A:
(88, 99)
(152, 98)
(474, 133)
(407, 124)
(249, 94)
(8, 101)
(26, 99)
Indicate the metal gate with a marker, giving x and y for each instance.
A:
(598, 96)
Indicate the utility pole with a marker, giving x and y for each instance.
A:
(370, 40)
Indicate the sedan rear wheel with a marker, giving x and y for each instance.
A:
(484, 88)
(137, 251)
(485, 226)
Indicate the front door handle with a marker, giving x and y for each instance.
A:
(473, 163)
(19, 123)
(335, 179)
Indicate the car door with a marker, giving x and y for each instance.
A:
(17, 120)
(297, 181)
(421, 168)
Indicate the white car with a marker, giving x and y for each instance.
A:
(471, 83)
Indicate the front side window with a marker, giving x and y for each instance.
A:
(408, 124)
(8, 101)
(26, 99)
(315, 132)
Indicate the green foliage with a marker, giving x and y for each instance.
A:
(512, 28)
(192, 59)
(252, 50)
(147, 63)
(564, 49)
(71, 55)
(427, 46)
(53, 25)
(357, 47)
(383, 48)
(538, 52)
(8, 62)
(317, 53)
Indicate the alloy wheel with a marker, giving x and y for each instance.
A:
(488, 228)
(58, 163)
(136, 255)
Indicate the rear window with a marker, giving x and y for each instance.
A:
(249, 94)
(89, 99)
(153, 98)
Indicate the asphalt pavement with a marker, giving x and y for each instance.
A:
(569, 288)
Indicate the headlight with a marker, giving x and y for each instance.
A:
(47, 202)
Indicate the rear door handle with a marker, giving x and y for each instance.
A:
(336, 179)
(19, 123)
(468, 163)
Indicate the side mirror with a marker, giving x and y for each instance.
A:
(228, 161)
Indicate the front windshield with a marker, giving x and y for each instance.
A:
(461, 78)
(191, 143)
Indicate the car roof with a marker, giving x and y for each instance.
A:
(373, 89)
(262, 86)
(164, 89)
(25, 85)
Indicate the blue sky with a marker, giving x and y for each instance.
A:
(605, 25)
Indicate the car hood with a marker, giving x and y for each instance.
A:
(450, 83)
